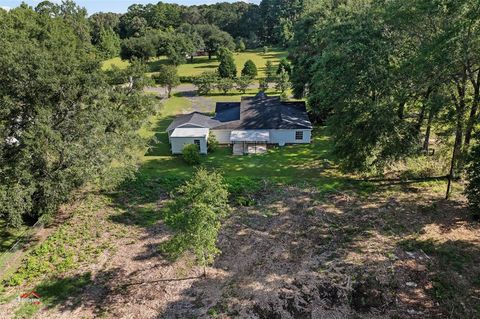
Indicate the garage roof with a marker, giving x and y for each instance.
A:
(189, 132)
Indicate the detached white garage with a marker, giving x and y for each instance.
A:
(184, 136)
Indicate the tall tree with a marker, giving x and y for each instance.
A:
(227, 67)
(62, 119)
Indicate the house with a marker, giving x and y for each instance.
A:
(249, 125)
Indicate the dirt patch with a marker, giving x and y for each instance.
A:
(298, 255)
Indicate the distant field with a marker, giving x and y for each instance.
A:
(203, 64)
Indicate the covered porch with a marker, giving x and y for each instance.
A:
(249, 141)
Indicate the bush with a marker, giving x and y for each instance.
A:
(225, 85)
(250, 69)
(212, 143)
(187, 79)
(242, 83)
(191, 154)
(473, 187)
(205, 82)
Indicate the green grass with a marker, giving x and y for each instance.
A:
(203, 64)
(289, 164)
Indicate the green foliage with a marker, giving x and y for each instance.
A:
(269, 71)
(243, 82)
(282, 82)
(225, 84)
(142, 48)
(212, 143)
(195, 216)
(243, 189)
(473, 186)
(249, 69)
(240, 45)
(167, 77)
(191, 154)
(263, 85)
(205, 82)
(265, 49)
(285, 66)
(109, 43)
(59, 142)
(227, 67)
(71, 245)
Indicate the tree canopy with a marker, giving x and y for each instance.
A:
(61, 117)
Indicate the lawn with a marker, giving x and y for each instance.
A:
(203, 64)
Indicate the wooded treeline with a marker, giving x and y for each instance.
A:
(63, 120)
(386, 75)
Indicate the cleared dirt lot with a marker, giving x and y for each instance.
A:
(400, 253)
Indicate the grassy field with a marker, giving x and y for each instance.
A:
(203, 64)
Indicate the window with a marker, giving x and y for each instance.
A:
(299, 135)
(197, 142)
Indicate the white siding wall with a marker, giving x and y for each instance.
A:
(282, 137)
(222, 136)
(179, 142)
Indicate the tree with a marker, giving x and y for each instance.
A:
(269, 71)
(109, 43)
(191, 154)
(240, 45)
(100, 22)
(243, 83)
(227, 67)
(473, 186)
(284, 65)
(57, 143)
(215, 39)
(265, 49)
(167, 77)
(205, 82)
(225, 85)
(263, 85)
(282, 82)
(142, 48)
(195, 216)
(250, 69)
(179, 46)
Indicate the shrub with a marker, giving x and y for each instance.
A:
(473, 187)
(243, 82)
(212, 143)
(191, 154)
(284, 65)
(263, 85)
(225, 85)
(205, 82)
(249, 69)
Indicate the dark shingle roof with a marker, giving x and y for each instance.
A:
(196, 119)
(226, 112)
(262, 112)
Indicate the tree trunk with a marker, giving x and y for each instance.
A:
(169, 91)
(401, 110)
(426, 142)
(473, 118)
(456, 164)
(209, 55)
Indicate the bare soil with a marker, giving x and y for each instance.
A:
(395, 254)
